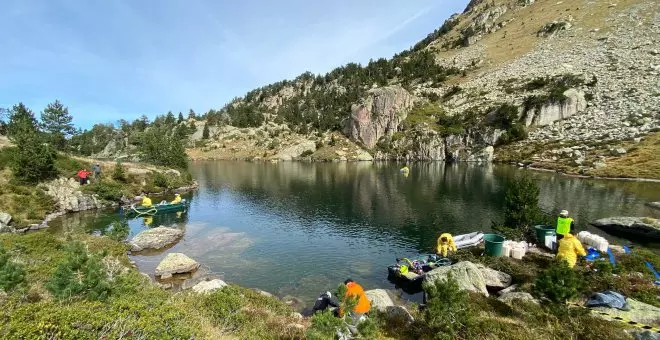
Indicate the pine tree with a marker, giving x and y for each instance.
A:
(81, 273)
(34, 160)
(169, 118)
(191, 114)
(22, 123)
(205, 132)
(119, 173)
(521, 203)
(180, 118)
(57, 122)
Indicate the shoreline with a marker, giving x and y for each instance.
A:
(253, 160)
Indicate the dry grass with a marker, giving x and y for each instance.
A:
(641, 161)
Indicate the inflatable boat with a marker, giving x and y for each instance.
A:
(468, 240)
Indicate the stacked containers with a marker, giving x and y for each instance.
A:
(594, 240)
(514, 249)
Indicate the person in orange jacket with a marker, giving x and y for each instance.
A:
(354, 290)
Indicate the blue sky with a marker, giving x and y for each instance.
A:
(113, 59)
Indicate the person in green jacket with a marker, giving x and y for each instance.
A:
(565, 224)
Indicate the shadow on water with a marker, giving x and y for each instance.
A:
(299, 229)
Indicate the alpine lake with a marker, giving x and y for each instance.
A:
(297, 229)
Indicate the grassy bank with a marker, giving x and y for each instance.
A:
(130, 306)
(28, 203)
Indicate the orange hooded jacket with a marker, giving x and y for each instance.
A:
(363, 305)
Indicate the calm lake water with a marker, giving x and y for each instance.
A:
(301, 228)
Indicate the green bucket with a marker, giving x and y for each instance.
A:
(542, 231)
(493, 243)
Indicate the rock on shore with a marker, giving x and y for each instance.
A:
(467, 274)
(175, 263)
(642, 227)
(156, 238)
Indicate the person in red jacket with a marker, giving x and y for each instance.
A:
(82, 175)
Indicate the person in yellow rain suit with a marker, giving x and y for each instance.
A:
(445, 244)
(569, 249)
(146, 201)
(177, 199)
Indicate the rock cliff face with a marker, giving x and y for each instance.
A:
(551, 112)
(582, 77)
(378, 115)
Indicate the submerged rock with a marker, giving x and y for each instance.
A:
(467, 274)
(206, 287)
(175, 263)
(655, 205)
(156, 238)
(643, 227)
(379, 298)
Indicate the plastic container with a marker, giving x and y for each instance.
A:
(542, 231)
(506, 250)
(551, 242)
(518, 253)
(493, 244)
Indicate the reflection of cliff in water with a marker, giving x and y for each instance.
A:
(435, 197)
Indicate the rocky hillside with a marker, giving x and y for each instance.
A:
(570, 85)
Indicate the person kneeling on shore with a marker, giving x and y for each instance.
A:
(353, 290)
(445, 244)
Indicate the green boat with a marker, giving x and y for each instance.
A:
(138, 210)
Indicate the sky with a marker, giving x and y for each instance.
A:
(119, 59)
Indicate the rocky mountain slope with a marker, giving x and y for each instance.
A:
(571, 85)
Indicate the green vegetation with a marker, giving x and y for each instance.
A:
(119, 173)
(11, 274)
(447, 314)
(57, 123)
(205, 132)
(559, 283)
(521, 210)
(65, 306)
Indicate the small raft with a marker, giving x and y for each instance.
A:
(136, 210)
(468, 240)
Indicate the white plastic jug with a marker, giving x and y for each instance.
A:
(518, 253)
(550, 241)
(506, 250)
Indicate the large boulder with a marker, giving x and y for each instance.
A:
(175, 263)
(5, 218)
(467, 274)
(378, 115)
(69, 198)
(399, 313)
(156, 238)
(552, 111)
(495, 279)
(655, 205)
(639, 312)
(296, 150)
(641, 227)
(379, 298)
(206, 287)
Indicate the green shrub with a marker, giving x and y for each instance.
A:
(11, 274)
(306, 153)
(108, 191)
(7, 155)
(68, 167)
(325, 326)
(559, 282)
(159, 180)
(80, 274)
(521, 209)
(119, 173)
(447, 311)
(118, 231)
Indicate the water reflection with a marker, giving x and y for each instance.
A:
(301, 228)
